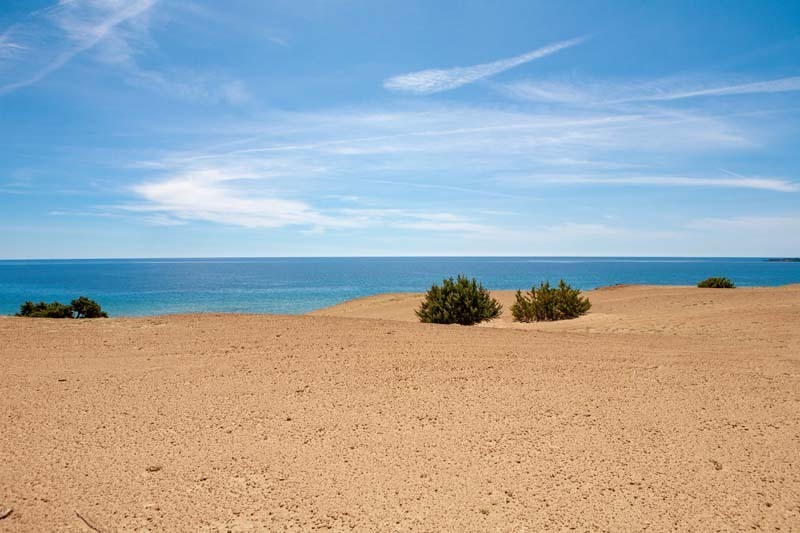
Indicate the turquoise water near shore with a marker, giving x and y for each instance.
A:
(135, 287)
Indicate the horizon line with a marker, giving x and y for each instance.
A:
(224, 257)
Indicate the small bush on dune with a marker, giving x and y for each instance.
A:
(45, 310)
(81, 307)
(462, 301)
(716, 283)
(548, 303)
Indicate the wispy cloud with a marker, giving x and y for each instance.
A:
(597, 92)
(49, 38)
(294, 169)
(749, 223)
(452, 188)
(114, 32)
(9, 49)
(437, 80)
(768, 86)
(766, 184)
(489, 139)
(279, 41)
(774, 235)
(189, 86)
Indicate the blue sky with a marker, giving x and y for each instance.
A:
(178, 128)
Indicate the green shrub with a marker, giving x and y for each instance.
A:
(716, 283)
(462, 301)
(549, 303)
(81, 307)
(45, 310)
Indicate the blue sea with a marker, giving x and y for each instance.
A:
(135, 287)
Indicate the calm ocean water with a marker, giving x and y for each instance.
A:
(297, 285)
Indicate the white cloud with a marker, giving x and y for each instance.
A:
(244, 199)
(438, 80)
(211, 195)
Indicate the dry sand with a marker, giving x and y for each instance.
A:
(663, 409)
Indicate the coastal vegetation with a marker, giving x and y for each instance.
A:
(461, 301)
(716, 283)
(547, 303)
(81, 307)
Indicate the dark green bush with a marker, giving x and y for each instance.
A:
(716, 283)
(81, 307)
(549, 303)
(45, 310)
(462, 301)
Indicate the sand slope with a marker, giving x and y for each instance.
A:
(627, 308)
(664, 409)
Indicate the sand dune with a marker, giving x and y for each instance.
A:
(663, 409)
(627, 308)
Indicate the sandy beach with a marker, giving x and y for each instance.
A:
(663, 409)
